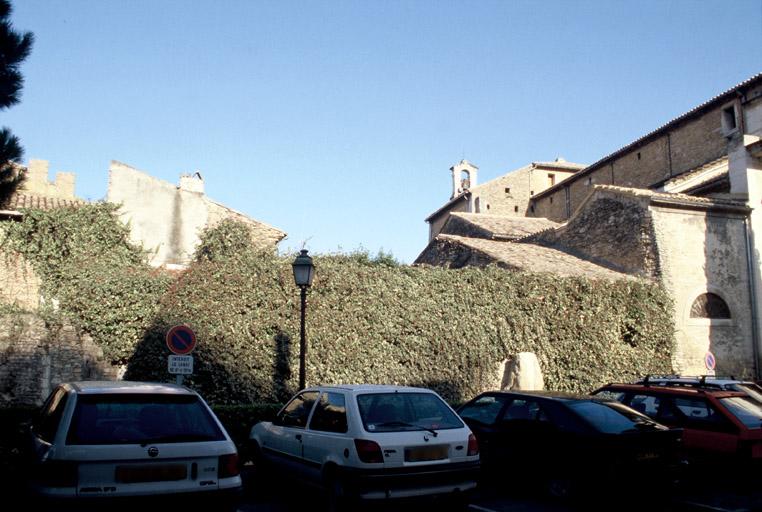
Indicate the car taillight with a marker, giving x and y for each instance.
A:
(368, 451)
(58, 473)
(228, 466)
(473, 445)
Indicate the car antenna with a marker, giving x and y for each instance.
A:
(702, 380)
(646, 381)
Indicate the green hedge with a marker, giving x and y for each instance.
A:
(368, 320)
(238, 419)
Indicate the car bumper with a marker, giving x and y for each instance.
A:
(391, 483)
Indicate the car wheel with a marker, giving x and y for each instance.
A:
(339, 497)
(258, 473)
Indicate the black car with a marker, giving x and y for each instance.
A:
(567, 441)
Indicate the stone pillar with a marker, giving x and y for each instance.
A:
(65, 184)
(522, 371)
(36, 175)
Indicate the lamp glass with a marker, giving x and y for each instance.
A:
(304, 270)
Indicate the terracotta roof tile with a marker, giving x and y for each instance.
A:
(503, 226)
(21, 200)
(536, 258)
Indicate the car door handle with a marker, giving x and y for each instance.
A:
(298, 437)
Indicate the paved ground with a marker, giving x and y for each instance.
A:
(707, 496)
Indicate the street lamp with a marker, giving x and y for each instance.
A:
(304, 271)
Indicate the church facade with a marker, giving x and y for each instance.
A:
(680, 205)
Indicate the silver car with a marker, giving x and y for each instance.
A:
(129, 439)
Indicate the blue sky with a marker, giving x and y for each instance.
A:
(337, 122)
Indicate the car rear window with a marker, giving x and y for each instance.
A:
(745, 409)
(752, 390)
(398, 412)
(610, 417)
(141, 419)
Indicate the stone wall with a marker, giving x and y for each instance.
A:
(611, 229)
(444, 253)
(437, 223)
(36, 181)
(166, 219)
(701, 252)
(510, 194)
(163, 218)
(34, 358)
(19, 283)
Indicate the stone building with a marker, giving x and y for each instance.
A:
(167, 219)
(680, 205)
(507, 195)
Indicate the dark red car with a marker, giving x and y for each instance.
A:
(716, 423)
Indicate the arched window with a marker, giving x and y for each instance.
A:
(709, 305)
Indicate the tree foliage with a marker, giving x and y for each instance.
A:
(15, 47)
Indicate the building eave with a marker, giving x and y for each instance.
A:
(448, 204)
(695, 112)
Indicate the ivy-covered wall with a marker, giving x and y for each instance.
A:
(368, 319)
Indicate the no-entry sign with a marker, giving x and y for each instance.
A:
(181, 340)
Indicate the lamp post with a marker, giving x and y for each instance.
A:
(304, 271)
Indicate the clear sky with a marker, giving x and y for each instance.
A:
(337, 122)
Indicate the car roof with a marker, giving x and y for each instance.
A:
(558, 396)
(706, 380)
(98, 387)
(719, 393)
(371, 388)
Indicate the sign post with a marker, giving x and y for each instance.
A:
(181, 340)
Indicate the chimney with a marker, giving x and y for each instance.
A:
(192, 182)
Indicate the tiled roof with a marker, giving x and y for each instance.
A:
(571, 166)
(21, 200)
(673, 198)
(724, 96)
(267, 230)
(695, 175)
(535, 258)
(503, 226)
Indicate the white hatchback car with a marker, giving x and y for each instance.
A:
(370, 442)
(128, 439)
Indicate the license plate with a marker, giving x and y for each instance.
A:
(151, 473)
(421, 453)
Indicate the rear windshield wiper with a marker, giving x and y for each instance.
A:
(405, 424)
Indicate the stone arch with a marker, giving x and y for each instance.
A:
(711, 306)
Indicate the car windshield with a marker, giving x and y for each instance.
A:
(746, 409)
(484, 409)
(396, 412)
(612, 417)
(141, 419)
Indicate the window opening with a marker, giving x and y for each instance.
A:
(709, 305)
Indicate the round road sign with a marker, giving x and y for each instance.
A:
(181, 340)
(710, 361)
